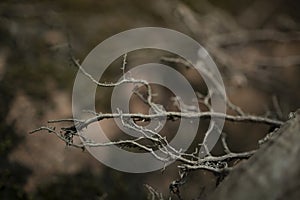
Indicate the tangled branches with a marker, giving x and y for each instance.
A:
(157, 145)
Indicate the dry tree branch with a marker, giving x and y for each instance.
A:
(153, 194)
(165, 152)
(157, 145)
(272, 173)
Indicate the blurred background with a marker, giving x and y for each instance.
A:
(254, 43)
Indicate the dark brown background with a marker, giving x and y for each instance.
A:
(36, 80)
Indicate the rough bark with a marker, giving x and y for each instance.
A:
(272, 173)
